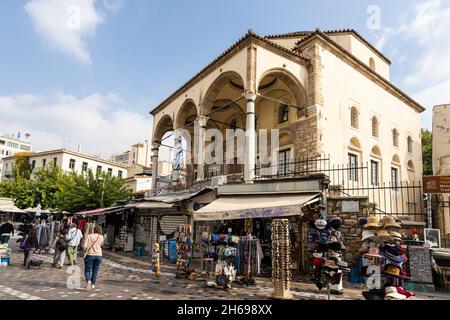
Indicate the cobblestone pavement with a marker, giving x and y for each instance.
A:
(125, 278)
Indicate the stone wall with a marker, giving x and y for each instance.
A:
(352, 234)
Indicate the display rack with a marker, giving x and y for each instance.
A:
(281, 260)
(184, 248)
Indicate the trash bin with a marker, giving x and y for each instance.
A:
(173, 252)
(139, 250)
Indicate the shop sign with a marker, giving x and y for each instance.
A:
(350, 206)
(436, 184)
(162, 238)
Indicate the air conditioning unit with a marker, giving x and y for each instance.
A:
(218, 181)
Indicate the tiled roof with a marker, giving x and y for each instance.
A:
(386, 82)
(250, 34)
(328, 32)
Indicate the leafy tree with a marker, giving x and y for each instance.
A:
(427, 152)
(22, 166)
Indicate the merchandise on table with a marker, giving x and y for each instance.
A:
(5, 255)
(184, 248)
(384, 253)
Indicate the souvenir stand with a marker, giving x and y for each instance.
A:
(384, 257)
(326, 246)
(184, 248)
(281, 260)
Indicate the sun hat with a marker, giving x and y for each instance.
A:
(335, 223)
(361, 222)
(392, 270)
(392, 254)
(336, 246)
(317, 262)
(383, 234)
(372, 223)
(390, 223)
(317, 254)
(331, 264)
(368, 235)
(342, 264)
(407, 293)
(320, 224)
(324, 236)
(374, 252)
(392, 294)
(395, 235)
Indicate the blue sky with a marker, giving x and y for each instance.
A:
(84, 87)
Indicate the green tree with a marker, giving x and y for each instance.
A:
(427, 152)
(22, 166)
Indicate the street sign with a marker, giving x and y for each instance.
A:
(436, 184)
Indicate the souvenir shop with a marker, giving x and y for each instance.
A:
(117, 225)
(385, 259)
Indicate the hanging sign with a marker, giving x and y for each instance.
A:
(436, 184)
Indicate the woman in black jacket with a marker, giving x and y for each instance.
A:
(30, 242)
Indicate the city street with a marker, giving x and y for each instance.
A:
(125, 278)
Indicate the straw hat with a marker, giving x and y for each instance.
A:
(383, 234)
(331, 264)
(390, 223)
(372, 223)
(395, 235)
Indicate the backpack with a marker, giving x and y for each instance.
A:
(23, 243)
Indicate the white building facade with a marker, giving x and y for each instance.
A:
(10, 146)
(69, 160)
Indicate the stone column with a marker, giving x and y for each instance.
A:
(250, 138)
(155, 155)
(200, 152)
(176, 170)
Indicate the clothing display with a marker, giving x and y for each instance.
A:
(326, 246)
(184, 248)
(281, 259)
(383, 251)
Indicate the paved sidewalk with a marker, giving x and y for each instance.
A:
(123, 277)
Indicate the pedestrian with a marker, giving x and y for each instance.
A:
(6, 231)
(60, 246)
(74, 237)
(29, 242)
(92, 246)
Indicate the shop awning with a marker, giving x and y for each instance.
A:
(7, 205)
(149, 205)
(99, 212)
(255, 206)
(174, 197)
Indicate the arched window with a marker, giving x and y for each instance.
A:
(395, 138)
(354, 118)
(283, 113)
(411, 166)
(372, 64)
(375, 127)
(410, 144)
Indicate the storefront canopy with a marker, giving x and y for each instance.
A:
(149, 205)
(7, 205)
(99, 212)
(255, 206)
(174, 197)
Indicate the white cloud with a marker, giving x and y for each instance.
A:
(420, 44)
(66, 25)
(100, 123)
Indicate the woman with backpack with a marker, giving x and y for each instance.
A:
(92, 246)
(60, 246)
(28, 243)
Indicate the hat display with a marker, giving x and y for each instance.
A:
(317, 254)
(361, 222)
(392, 294)
(372, 223)
(390, 223)
(405, 292)
(320, 224)
(336, 223)
(317, 262)
(368, 235)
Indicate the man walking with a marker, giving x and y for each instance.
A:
(74, 237)
(6, 231)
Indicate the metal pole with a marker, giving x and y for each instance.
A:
(429, 211)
